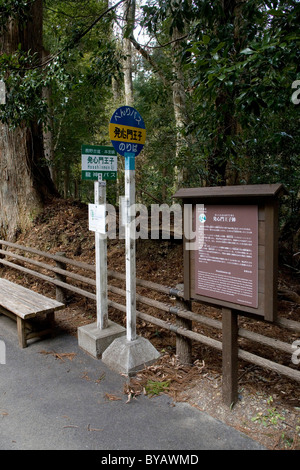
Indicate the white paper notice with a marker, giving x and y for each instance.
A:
(97, 214)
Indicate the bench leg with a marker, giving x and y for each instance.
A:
(21, 332)
(51, 320)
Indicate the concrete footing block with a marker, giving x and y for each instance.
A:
(128, 357)
(95, 341)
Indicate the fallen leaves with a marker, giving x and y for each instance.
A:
(93, 429)
(75, 426)
(111, 397)
(168, 375)
(59, 356)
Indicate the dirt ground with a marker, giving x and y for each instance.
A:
(269, 404)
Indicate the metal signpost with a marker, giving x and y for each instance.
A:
(131, 353)
(128, 134)
(99, 163)
(101, 252)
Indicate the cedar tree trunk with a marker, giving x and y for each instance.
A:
(25, 180)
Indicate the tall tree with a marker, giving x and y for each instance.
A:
(179, 99)
(129, 19)
(169, 20)
(25, 180)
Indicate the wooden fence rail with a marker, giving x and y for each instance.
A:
(184, 316)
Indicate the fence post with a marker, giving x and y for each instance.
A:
(183, 344)
(61, 295)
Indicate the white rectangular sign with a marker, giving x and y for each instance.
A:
(99, 163)
(2, 92)
(97, 213)
(98, 159)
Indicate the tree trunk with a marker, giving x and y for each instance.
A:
(25, 180)
(48, 131)
(219, 170)
(179, 99)
(179, 105)
(129, 17)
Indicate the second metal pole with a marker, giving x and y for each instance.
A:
(130, 247)
(101, 262)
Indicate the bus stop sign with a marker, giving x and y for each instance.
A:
(127, 131)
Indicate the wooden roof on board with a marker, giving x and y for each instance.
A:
(239, 191)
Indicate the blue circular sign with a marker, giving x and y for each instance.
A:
(127, 131)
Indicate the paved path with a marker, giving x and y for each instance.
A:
(48, 404)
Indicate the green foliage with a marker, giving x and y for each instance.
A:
(270, 418)
(239, 60)
(24, 85)
(154, 387)
(155, 167)
(242, 83)
(10, 9)
(178, 13)
(105, 63)
(81, 89)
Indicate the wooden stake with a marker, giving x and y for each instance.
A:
(230, 356)
(183, 344)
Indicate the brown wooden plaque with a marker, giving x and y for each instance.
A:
(226, 261)
(237, 266)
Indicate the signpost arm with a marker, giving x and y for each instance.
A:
(101, 262)
(130, 248)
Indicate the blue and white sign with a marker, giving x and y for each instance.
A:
(127, 131)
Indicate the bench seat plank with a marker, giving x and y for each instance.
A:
(23, 302)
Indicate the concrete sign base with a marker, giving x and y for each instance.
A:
(128, 357)
(94, 341)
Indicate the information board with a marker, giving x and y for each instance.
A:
(226, 261)
(98, 159)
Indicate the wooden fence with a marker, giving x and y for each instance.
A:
(69, 280)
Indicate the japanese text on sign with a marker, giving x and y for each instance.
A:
(226, 266)
(130, 114)
(97, 160)
(127, 131)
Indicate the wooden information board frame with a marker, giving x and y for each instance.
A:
(264, 232)
(266, 198)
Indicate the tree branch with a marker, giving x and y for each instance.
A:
(77, 39)
(149, 59)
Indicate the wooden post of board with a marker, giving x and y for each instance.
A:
(230, 356)
(183, 344)
(101, 262)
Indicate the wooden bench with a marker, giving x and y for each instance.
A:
(24, 305)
